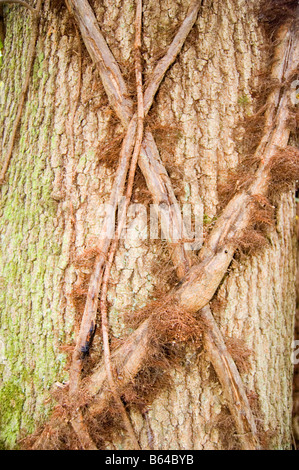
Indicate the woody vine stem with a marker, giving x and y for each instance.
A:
(198, 281)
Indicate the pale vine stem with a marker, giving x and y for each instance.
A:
(31, 54)
(103, 301)
(70, 164)
(77, 418)
(33, 10)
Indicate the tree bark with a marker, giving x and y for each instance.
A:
(51, 215)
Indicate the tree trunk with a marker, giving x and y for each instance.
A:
(52, 211)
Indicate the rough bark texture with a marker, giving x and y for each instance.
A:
(296, 337)
(50, 214)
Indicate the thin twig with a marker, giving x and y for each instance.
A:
(31, 55)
